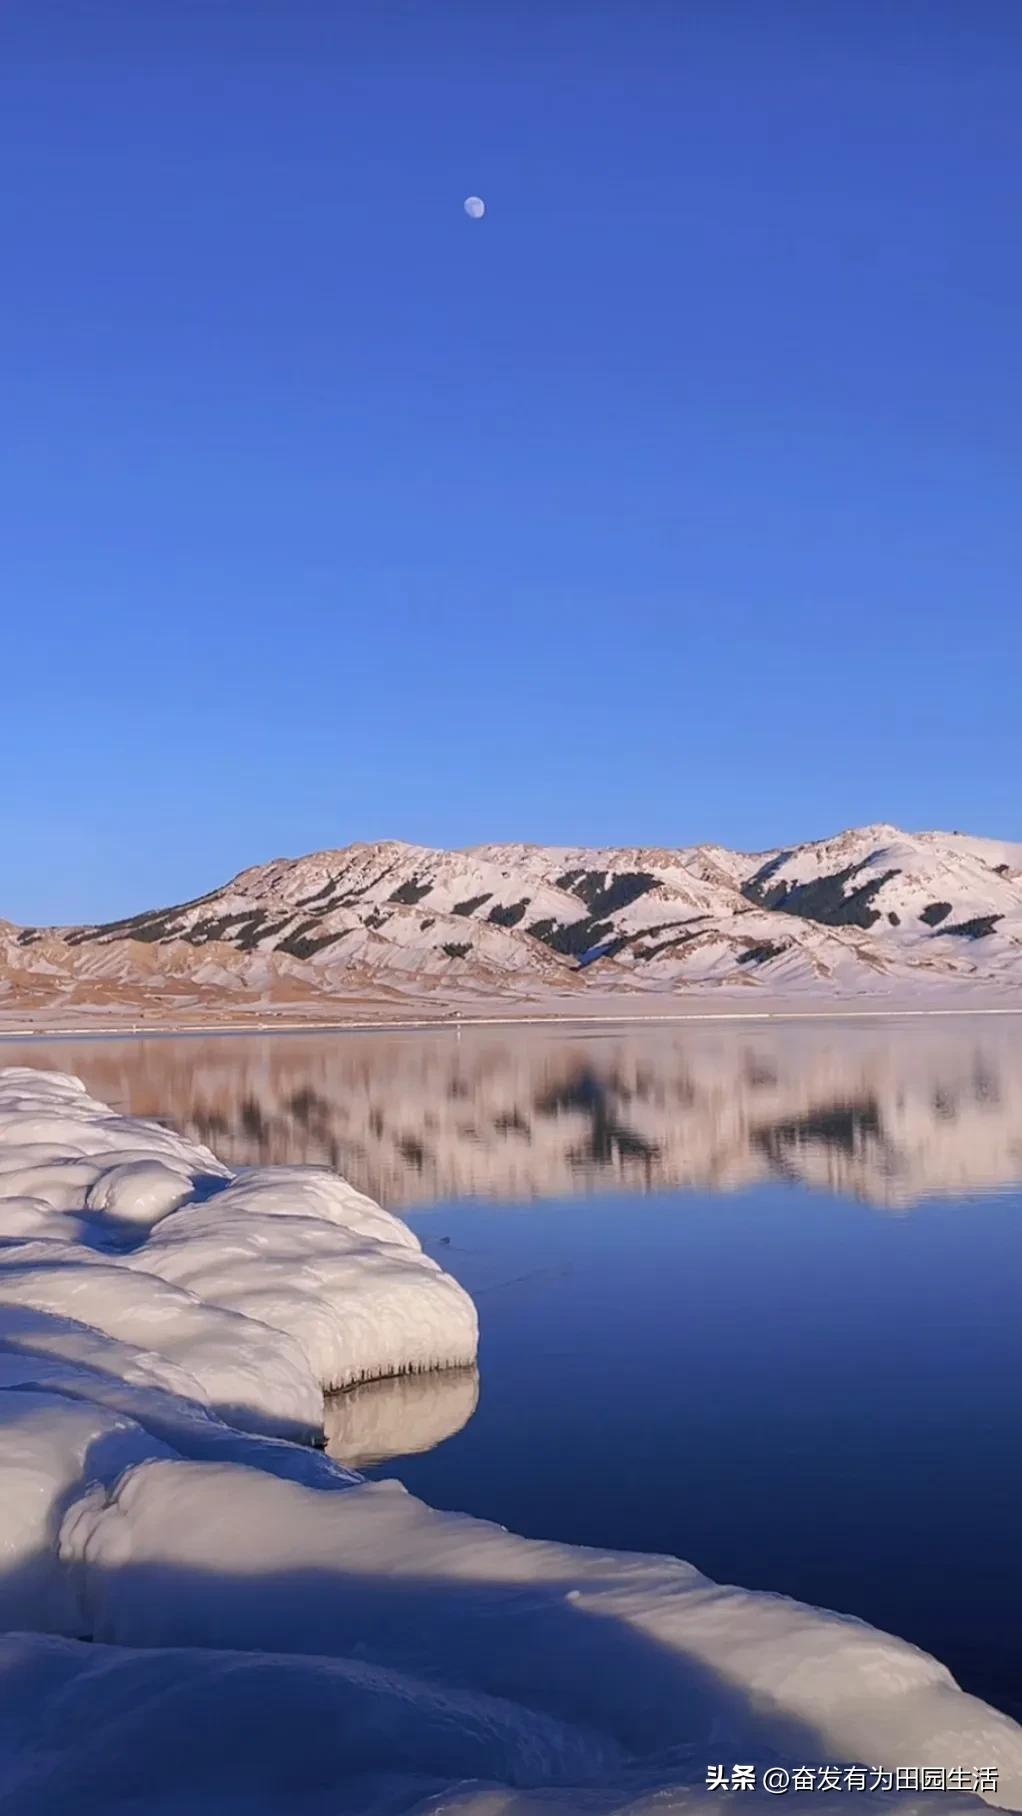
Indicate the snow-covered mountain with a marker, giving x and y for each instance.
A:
(872, 912)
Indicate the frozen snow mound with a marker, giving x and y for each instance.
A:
(289, 1245)
(252, 1374)
(268, 1633)
(250, 1294)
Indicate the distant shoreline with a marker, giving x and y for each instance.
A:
(451, 1023)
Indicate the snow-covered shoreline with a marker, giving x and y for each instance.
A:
(266, 1631)
(449, 1016)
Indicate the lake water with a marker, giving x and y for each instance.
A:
(748, 1293)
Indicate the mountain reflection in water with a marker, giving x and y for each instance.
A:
(889, 1112)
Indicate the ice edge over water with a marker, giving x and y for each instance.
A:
(270, 1633)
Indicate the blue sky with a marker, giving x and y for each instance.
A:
(676, 500)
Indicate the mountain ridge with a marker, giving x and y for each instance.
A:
(868, 911)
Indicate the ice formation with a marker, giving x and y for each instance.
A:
(267, 1632)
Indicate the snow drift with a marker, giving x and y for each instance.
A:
(267, 1632)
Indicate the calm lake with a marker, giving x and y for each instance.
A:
(748, 1293)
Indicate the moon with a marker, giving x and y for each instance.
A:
(475, 207)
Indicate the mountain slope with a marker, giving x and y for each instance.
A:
(869, 912)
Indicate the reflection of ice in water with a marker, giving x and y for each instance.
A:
(399, 1417)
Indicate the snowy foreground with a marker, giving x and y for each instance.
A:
(267, 1632)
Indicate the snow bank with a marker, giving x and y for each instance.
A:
(51, 1449)
(250, 1294)
(59, 1357)
(645, 1650)
(286, 1734)
(253, 1249)
(270, 1633)
(253, 1374)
